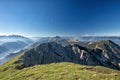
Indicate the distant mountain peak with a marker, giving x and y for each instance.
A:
(10, 36)
(57, 37)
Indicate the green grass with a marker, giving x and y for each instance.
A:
(57, 71)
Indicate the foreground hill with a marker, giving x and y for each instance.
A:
(57, 71)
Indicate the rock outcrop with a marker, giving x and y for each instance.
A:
(103, 53)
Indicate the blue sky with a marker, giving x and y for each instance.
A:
(59, 17)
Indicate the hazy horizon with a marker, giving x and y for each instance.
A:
(43, 18)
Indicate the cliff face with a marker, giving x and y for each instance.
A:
(104, 53)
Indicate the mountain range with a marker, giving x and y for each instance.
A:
(115, 39)
(59, 52)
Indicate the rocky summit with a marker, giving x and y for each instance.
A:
(103, 53)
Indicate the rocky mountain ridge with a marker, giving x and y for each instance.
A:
(107, 54)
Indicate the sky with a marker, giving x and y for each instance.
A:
(60, 17)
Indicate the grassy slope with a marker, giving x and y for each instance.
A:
(57, 71)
